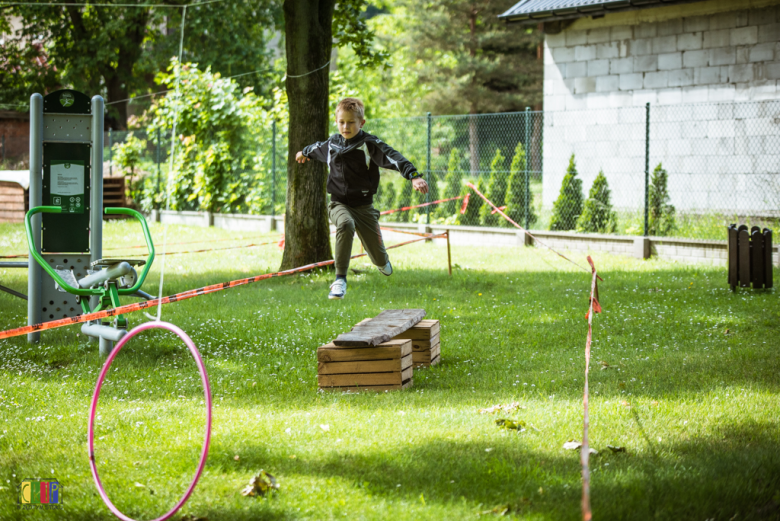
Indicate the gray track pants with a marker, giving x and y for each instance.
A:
(365, 221)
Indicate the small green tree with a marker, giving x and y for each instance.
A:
(496, 191)
(661, 220)
(515, 198)
(453, 181)
(568, 207)
(388, 199)
(471, 217)
(128, 155)
(597, 214)
(405, 199)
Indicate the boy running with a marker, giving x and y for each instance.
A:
(354, 158)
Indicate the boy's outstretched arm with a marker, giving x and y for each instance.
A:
(318, 151)
(386, 156)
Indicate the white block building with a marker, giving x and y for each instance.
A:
(710, 70)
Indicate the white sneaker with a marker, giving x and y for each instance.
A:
(386, 270)
(338, 289)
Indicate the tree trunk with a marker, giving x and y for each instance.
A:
(308, 41)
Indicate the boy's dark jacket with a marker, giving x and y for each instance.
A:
(354, 166)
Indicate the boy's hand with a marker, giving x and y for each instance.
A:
(301, 158)
(420, 185)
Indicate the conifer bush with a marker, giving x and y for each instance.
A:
(661, 214)
(405, 199)
(515, 197)
(568, 207)
(496, 191)
(471, 217)
(597, 213)
(453, 181)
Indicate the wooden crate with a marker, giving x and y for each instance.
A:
(13, 202)
(426, 345)
(385, 367)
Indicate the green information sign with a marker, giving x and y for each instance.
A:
(67, 185)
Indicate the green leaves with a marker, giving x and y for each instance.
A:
(518, 425)
(260, 485)
(222, 145)
(350, 29)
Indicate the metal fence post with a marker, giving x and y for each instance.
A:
(110, 155)
(647, 166)
(273, 169)
(527, 173)
(428, 168)
(159, 171)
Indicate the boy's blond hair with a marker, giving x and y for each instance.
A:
(353, 105)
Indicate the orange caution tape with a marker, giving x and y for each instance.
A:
(138, 306)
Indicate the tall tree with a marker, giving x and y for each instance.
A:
(308, 42)
(310, 27)
(479, 64)
(115, 50)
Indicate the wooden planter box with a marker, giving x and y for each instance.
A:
(750, 257)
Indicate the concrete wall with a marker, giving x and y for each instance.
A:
(710, 72)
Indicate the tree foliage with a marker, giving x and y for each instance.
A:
(597, 214)
(517, 205)
(661, 214)
(116, 50)
(476, 62)
(568, 207)
(219, 126)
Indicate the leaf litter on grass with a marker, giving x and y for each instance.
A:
(260, 485)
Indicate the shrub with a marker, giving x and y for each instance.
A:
(405, 199)
(597, 214)
(568, 207)
(471, 217)
(388, 199)
(453, 180)
(127, 156)
(515, 198)
(496, 191)
(661, 219)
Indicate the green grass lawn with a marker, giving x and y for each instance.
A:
(690, 386)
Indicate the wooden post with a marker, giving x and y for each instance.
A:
(449, 256)
(767, 258)
(757, 258)
(733, 257)
(743, 244)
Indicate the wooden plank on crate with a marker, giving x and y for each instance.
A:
(436, 360)
(768, 258)
(743, 242)
(365, 366)
(425, 345)
(353, 380)
(376, 388)
(424, 330)
(385, 326)
(389, 350)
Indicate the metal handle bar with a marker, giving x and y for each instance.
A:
(149, 245)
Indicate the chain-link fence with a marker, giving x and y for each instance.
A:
(669, 170)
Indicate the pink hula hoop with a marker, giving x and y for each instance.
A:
(93, 409)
